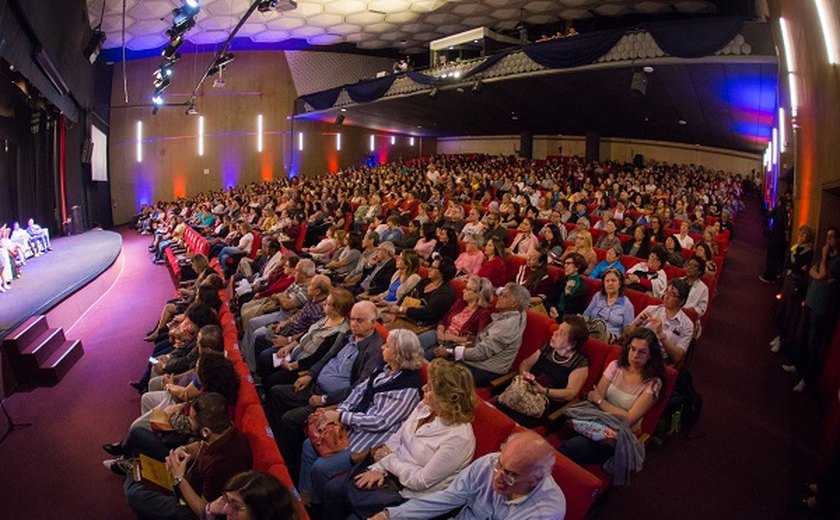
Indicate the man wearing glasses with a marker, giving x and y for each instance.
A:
(513, 484)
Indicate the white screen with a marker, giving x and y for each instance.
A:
(99, 160)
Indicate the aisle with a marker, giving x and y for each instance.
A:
(752, 445)
(54, 468)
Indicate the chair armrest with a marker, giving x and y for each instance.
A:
(557, 414)
(501, 380)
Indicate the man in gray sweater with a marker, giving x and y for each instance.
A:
(497, 345)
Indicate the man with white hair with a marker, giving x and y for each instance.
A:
(497, 344)
(514, 484)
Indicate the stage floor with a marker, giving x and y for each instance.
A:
(48, 279)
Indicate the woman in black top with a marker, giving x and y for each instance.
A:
(640, 245)
(447, 243)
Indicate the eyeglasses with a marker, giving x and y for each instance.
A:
(569, 262)
(235, 507)
(509, 477)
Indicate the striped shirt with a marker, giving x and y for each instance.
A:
(383, 417)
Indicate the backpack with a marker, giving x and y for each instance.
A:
(684, 406)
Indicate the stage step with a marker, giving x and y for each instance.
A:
(41, 355)
(56, 366)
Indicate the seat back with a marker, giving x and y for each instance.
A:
(255, 247)
(512, 265)
(538, 331)
(491, 427)
(596, 351)
(651, 418)
(638, 299)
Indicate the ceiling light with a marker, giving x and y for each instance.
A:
(647, 68)
(169, 51)
(192, 4)
(191, 110)
(682, 122)
(344, 110)
(827, 24)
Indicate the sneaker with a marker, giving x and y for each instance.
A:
(121, 467)
(800, 386)
(776, 341)
(114, 449)
(776, 348)
(790, 369)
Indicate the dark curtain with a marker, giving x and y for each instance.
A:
(484, 65)
(573, 51)
(423, 79)
(371, 90)
(694, 38)
(324, 99)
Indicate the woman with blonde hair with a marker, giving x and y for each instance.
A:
(583, 246)
(432, 446)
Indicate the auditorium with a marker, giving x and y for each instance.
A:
(419, 259)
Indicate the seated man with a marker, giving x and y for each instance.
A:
(672, 326)
(514, 484)
(200, 470)
(649, 276)
(349, 361)
(497, 345)
(41, 236)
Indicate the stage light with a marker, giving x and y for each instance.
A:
(139, 141)
(300, 141)
(94, 45)
(220, 63)
(411, 141)
(180, 24)
(169, 52)
(191, 4)
(827, 22)
(162, 83)
(372, 144)
(201, 136)
(260, 133)
(477, 86)
(191, 110)
(168, 61)
(157, 99)
(266, 5)
(393, 140)
(338, 142)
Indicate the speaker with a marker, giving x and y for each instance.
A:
(593, 146)
(87, 151)
(339, 119)
(526, 144)
(638, 83)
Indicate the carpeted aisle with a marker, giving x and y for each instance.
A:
(753, 444)
(54, 468)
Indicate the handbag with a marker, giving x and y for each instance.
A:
(326, 438)
(519, 397)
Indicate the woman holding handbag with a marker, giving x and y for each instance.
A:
(373, 411)
(550, 377)
(432, 446)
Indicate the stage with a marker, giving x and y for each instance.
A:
(49, 279)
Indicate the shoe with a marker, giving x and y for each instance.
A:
(776, 341)
(763, 279)
(790, 369)
(800, 386)
(121, 467)
(114, 448)
(137, 385)
(151, 338)
(775, 348)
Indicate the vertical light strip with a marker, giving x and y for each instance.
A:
(411, 141)
(300, 141)
(393, 140)
(775, 151)
(139, 141)
(259, 133)
(782, 129)
(789, 59)
(201, 136)
(338, 142)
(794, 95)
(827, 19)
(372, 144)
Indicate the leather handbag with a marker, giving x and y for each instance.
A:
(326, 437)
(520, 397)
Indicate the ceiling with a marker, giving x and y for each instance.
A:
(722, 104)
(404, 25)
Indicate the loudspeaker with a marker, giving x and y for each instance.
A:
(593, 147)
(87, 151)
(339, 119)
(526, 144)
(639, 160)
(638, 83)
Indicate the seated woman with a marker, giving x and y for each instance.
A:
(533, 275)
(447, 243)
(324, 249)
(431, 447)
(307, 350)
(673, 250)
(649, 277)
(426, 245)
(583, 247)
(570, 292)
(525, 241)
(494, 268)
(639, 246)
(709, 240)
(469, 262)
(404, 279)
(629, 388)
(243, 248)
(612, 306)
(609, 240)
(558, 370)
(553, 243)
(611, 261)
(345, 258)
(434, 295)
(465, 319)
(374, 410)
(704, 253)
(253, 495)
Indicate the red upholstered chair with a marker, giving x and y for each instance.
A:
(651, 418)
(511, 233)
(458, 288)
(639, 300)
(629, 261)
(301, 237)
(255, 248)
(596, 234)
(264, 450)
(512, 265)
(672, 271)
(423, 271)
(598, 353)
(593, 286)
(624, 238)
(600, 254)
(281, 473)
(383, 332)
(491, 427)
(555, 273)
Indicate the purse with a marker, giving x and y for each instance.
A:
(326, 438)
(519, 397)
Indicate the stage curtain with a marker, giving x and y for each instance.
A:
(423, 79)
(371, 90)
(573, 51)
(694, 38)
(324, 99)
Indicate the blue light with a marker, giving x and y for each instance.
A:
(192, 3)
(157, 100)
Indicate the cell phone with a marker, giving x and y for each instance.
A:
(153, 360)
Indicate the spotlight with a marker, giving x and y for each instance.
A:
(171, 60)
(157, 99)
(191, 110)
(159, 90)
(266, 5)
(638, 83)
(162, 83)
(163, 72)
(170, 50)
(181, 24)
(94, 45)
(191, 4)
(220, 63)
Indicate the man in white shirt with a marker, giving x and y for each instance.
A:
(514, 484)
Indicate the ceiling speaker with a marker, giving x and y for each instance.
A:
(638, 83)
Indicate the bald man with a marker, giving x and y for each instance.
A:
(514, 484)
(352, 358)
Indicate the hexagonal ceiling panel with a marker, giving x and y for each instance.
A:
(326, 22)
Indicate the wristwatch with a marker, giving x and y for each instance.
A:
(324, 399)
(176, 481)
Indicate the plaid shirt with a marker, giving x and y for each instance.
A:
(311, 312)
